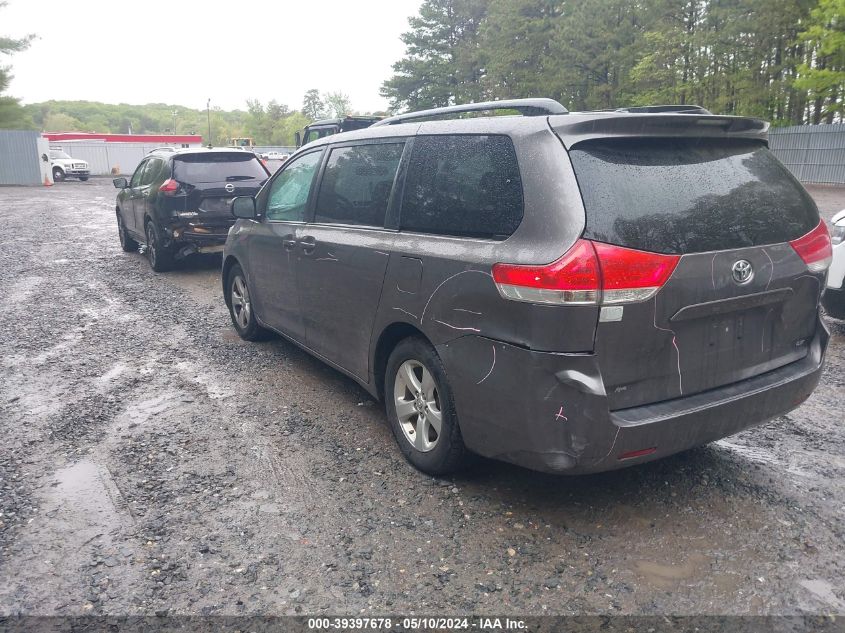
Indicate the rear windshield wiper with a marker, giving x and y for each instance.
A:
(228, 178)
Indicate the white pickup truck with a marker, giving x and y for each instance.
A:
(66, 167)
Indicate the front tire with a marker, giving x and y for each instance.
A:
(83, 178)
(241, 308)
(421, 410)
(159, 256)
(58, 174)
(126, 242)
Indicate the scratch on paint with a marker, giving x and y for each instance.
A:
(491, 367)
(422, 316)
(612, 446)
(408, 313)
(560, 416)
(465, 310)
(455, 327)
(712, 271)
(772, 272)
(326, 259)
(674, 344)
(382, 253)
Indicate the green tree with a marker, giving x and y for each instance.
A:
(12, 114)
(312, 105)
(822, 76)
(337, 104)
(442, 63)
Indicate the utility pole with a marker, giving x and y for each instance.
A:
(208, 115)
(174, 121)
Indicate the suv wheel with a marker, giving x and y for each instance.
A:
(421, 410)
(161, 258)
(83, 178)
(58, 174)
(240, 307)
(126, 242)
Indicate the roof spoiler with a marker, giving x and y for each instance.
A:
(574, 129)
(526, 107)
(665, 109)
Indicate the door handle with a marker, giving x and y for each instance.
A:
(308, 244)
(289, 241)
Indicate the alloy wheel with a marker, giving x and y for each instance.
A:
(418, 405)
(241, 306)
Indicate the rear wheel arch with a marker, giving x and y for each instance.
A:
(389, 338)
(228, 264)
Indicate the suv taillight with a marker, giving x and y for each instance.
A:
(815, 248)
(169, 186)
(589, 273)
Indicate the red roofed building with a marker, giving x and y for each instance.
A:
(179, 140)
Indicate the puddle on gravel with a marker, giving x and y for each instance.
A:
(823, 590)
(668, 575)
(215, 390)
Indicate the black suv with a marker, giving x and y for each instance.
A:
(572, 292)
(177, 203)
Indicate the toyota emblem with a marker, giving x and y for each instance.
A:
(230, 188)
(742, 271)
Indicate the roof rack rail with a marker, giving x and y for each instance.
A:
(526, 107)
(668, 109)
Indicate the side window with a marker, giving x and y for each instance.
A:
(152, 170)
(356, 184)
(463, 185)
(289, 192)
(139, 172)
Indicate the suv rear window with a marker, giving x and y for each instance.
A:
(463, 185)
(689, 195)
(228, 167)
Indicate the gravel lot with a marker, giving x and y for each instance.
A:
(152, 462)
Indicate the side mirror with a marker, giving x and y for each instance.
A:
(298, 137)
(120, 183)
(45, 158)
(244, 207)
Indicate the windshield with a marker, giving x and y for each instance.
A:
(228, 167)
(54, 154)
(689, 195)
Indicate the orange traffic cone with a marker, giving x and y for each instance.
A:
(47, 182)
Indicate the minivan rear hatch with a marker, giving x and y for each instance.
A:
(207, 181)
(741, 300)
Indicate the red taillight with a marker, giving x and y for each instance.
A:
(631, 275)
(589, 273)
(574, 278)
(169, 186)
(815, 248)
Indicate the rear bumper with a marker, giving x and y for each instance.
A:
(549, 411)
(200, 238)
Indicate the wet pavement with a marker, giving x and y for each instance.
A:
(152, 462)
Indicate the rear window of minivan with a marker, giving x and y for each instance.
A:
(462, 184)
(223, 167)
(689, 195)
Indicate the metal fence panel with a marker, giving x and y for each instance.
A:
(19, 159)
(813, 153)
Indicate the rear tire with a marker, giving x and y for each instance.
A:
(127, 243)
(241, 308)
(159, 256)
(421, 410)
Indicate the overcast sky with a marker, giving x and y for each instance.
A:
(185, 51)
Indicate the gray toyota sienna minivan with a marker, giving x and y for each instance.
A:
(572, 292)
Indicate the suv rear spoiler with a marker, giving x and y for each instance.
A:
(576, 128)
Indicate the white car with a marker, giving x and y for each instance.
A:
(834, 296)
(66, 167)
(277, 156)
